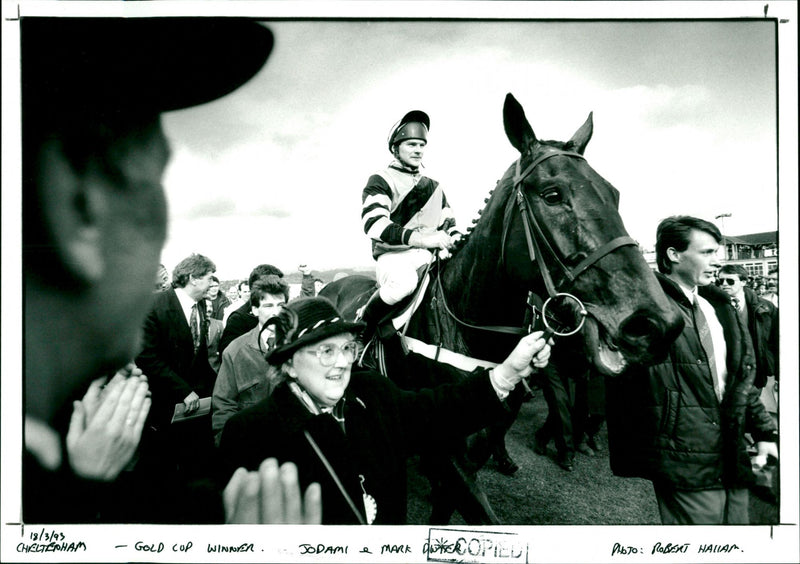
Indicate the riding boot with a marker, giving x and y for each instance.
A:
(373, 313)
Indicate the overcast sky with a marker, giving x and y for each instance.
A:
(684, 122)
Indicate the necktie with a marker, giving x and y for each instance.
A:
(194, 326)
(704, 332)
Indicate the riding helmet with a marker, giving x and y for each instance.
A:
(414, 125)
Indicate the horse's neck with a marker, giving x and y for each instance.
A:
(475, 292)
(476, 289)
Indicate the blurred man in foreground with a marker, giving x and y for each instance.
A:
(94, 222)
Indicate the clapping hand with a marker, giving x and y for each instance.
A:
(271, 495)
(106, 425)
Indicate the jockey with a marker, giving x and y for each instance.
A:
(406, 215)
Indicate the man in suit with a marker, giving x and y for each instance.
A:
(760, 317)
(174, 352)
(175, 358)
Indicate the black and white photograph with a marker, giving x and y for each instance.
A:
(406, 281)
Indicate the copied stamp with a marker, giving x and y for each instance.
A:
(460, 545)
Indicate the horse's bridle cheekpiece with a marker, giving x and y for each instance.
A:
(534, 235)
(536, 242)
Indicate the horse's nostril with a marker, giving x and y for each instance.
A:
(639, 327)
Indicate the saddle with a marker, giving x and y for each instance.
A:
(398, 315)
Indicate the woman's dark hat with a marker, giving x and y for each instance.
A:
(303, 322)
(414, 125)
(123, 64)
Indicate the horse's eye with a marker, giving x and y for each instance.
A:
(552, 196)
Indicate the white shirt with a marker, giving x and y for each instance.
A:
(717, 336)
(230, 309)
(186, 303)
(740, 298)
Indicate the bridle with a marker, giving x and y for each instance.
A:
(534, 236)
(536, 243)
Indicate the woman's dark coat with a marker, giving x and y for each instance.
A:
(384, 425)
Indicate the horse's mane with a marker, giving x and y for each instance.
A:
(468, 231)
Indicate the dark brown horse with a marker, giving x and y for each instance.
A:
(550, 225)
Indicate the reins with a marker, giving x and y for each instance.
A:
(535, 237)
(491, 328)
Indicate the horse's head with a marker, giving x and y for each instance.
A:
(563, 213)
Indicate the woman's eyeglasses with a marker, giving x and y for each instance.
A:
(327, 353)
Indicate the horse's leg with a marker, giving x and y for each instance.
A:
(470, 499)
(434, 467)
(451, 475)
(454, 487)
(408, 374)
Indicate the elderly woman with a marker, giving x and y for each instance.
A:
(350, 429)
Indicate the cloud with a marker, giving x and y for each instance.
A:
(228, 209)
(268, 211)
(218, 207)
(287, 155)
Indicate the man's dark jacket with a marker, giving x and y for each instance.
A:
(168, 359)
(239, 322)
(762, 321)
(665, 423)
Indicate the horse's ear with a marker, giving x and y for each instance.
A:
(518, 130)
(583, 135)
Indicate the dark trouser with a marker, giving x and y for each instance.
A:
(497, 432)
(556, 388)
(704, 507)
(588, 413)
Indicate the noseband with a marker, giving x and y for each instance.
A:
(534, 236)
